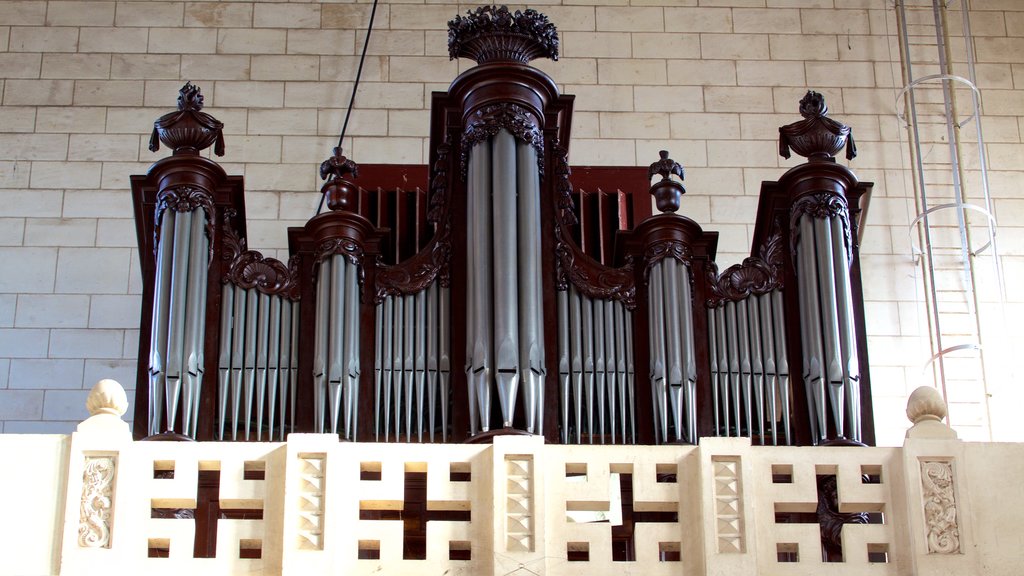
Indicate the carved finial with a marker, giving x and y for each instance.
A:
(341, 193)
(189, 130)
(925, 404)
(190, 97)
(494, 34)
(666, 167)
(926, 409)
(338, 166)
(667, 192)
(107, 397)
(817, 137)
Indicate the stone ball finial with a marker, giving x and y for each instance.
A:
(925, 404)
(107, 397)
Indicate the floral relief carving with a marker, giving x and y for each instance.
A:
(97, 502)
(940, 515)
(487, 121)
(250, 269)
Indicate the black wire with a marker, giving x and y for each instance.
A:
(355, 88)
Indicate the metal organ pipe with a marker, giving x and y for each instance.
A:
(195, 324)
(827, 321)
(479, 337)
(178, 332)
(178, 308)
(673, 357)
(750, 373)
(847, 337)
(531, 321)
(161, 312)
(810, 317)
(504, 320)
(595, 345)
(258, 359)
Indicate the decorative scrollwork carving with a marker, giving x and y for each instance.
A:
(495, 34)
(821, 205)
(439, 184)
(345, 246)
(591, 278)
(755, 275)
(250, 269)
(816, 137)
(415, 274)
(487, 121)
(184, 198)
(188, 129)
(564, 206)
(940, 507)
(97, 501)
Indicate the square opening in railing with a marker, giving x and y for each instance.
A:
(666, 473)
(254, 470)
(459, 550)
(163, 469)
(787, 552)
(668, 552)
(878, 553)
(251, 548)
(459, 472)
(159, 548)
(871, 474)
(575, 469)
(577, 551)
(782, 473)
(369, 471)
(369, 549)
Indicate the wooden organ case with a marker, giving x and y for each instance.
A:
(501, 292)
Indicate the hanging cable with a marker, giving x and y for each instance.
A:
(355, 88)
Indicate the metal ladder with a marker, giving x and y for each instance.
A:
(953, 235)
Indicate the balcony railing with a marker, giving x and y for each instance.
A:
(515, 506)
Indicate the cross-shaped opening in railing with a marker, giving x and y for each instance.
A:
(208, 511)
(624, 532)
(827, 515)
(415, 513)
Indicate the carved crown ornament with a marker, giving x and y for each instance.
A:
(755, 275)
(487, 121)
(817, 137)
(189, 130)
(250, 269)
(496, 34)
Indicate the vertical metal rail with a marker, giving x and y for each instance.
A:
(951, 346)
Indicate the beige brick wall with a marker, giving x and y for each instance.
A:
(711, 80)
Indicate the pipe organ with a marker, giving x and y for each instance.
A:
(498, 290)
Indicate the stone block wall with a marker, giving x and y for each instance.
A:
(710, 80)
